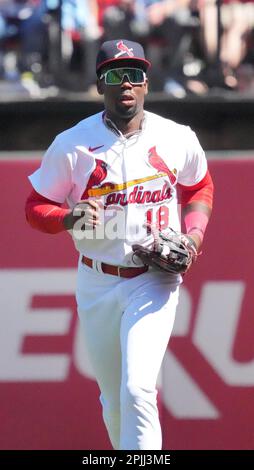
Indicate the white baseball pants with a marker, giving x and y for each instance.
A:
(127, 324)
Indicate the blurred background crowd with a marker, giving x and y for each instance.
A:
(195, 46)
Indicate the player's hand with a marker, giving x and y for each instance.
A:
(88, 210)
(193, 238)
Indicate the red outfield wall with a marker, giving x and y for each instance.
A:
(48, 397)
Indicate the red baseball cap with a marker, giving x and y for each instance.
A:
(121, 49)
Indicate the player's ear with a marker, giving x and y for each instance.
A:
(100, 87)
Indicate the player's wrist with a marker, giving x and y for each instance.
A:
(196, 238)
(68, 220)
(195, 223)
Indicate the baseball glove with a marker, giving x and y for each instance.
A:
(171, 252)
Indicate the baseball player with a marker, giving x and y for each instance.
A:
(120, 172)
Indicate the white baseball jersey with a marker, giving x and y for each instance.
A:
(135, 178)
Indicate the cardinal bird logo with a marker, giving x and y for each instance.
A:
(98, 175)
(123, 50)
(158, 163)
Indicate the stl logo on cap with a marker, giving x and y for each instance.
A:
(123, 50)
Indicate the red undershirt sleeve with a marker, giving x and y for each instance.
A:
(196, 219)
(201, 192)
(43, 214)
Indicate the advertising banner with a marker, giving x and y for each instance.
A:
(49, 399)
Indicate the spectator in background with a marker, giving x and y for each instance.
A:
(163, 27)
(237, 22)
(80, 23)
(9, 18)
(34, 37)
(171, 27)
(2, 38)
(40, 49)
(116, 18)
(22, 24)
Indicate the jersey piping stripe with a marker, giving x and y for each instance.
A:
(119, 187)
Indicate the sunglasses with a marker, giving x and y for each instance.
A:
(116, 76)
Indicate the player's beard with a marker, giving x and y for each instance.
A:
(126, 112)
